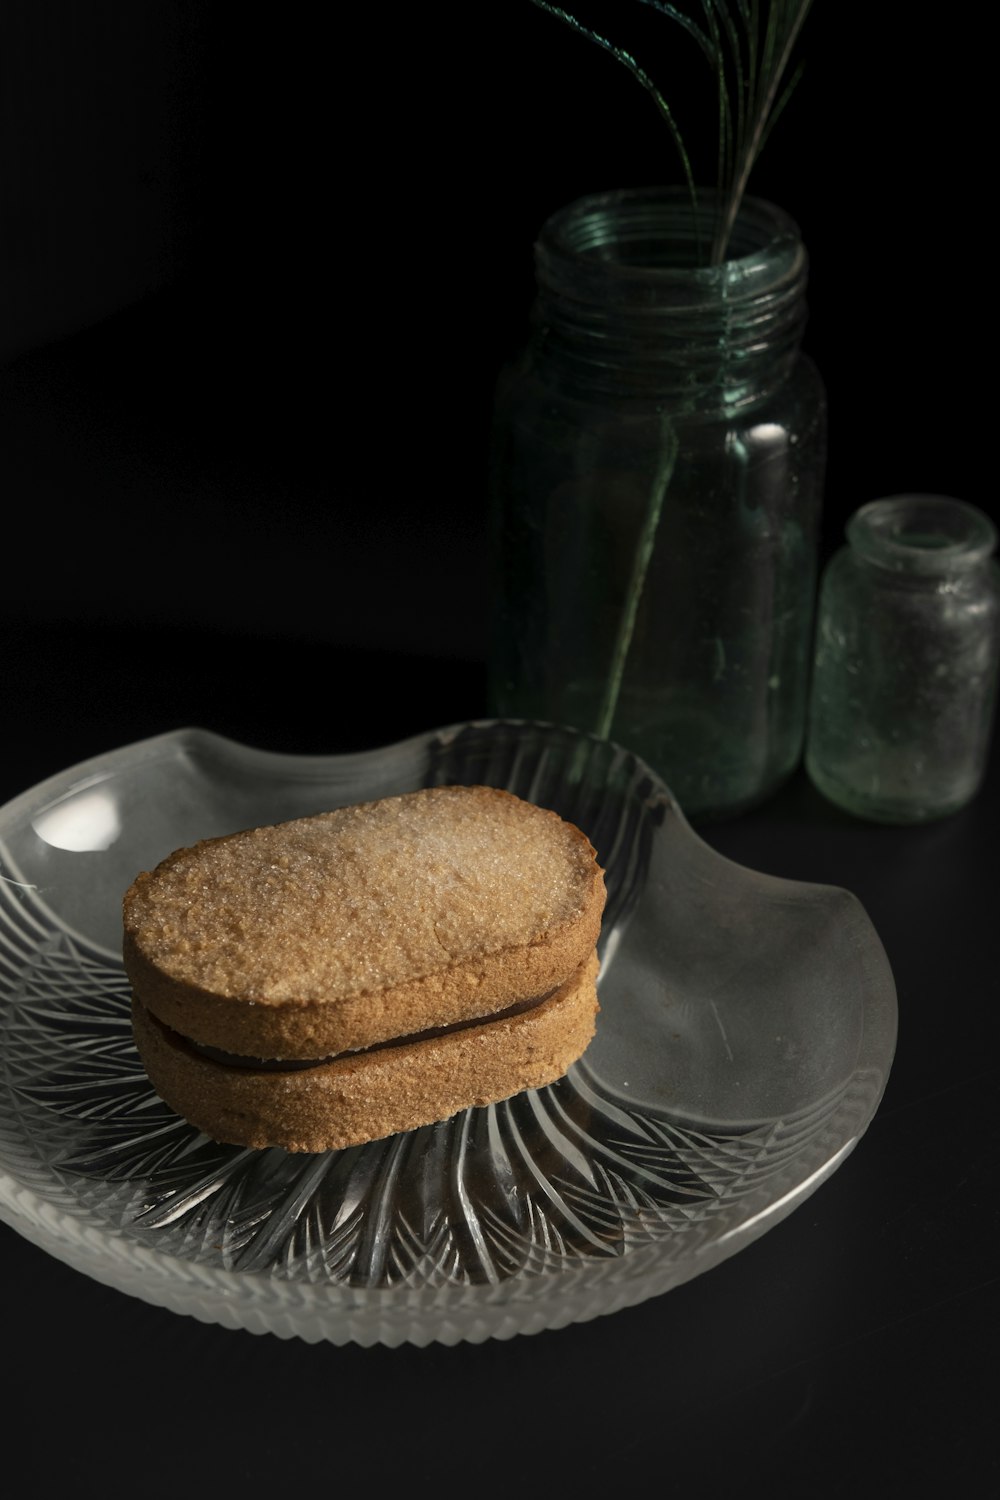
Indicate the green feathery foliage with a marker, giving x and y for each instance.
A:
(748, 45)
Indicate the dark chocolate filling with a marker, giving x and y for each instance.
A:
(295, 1065)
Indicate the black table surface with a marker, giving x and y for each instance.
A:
(169, 572)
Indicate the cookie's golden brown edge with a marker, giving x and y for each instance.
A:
(369, 1095)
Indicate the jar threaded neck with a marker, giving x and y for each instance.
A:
(624, 309)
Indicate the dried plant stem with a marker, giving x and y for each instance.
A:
(748, 44)
(757, 81)
(639, 74)
(640, 566)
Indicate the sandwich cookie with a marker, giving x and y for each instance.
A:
(342, 977)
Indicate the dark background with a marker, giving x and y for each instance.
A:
(258, 274)
(258, 277)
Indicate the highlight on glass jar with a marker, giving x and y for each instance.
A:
(904, 684)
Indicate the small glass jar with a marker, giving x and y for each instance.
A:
(656, 475)
(905, 664)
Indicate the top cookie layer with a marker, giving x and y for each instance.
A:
(364, 923)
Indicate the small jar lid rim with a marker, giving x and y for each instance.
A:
(922, 532)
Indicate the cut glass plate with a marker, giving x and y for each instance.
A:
(746, 1032)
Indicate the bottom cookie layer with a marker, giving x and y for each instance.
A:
(363, 1096)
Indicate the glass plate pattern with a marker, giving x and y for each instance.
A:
(746, 1031)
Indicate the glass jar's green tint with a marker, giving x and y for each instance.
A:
(905, 672)
(656, 474)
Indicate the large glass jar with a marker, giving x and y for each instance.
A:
(656, 476)
(905, 675)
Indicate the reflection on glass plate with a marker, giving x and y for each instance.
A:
(746, 1031)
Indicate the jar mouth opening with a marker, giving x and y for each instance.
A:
(656, 233)
(922, 533)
